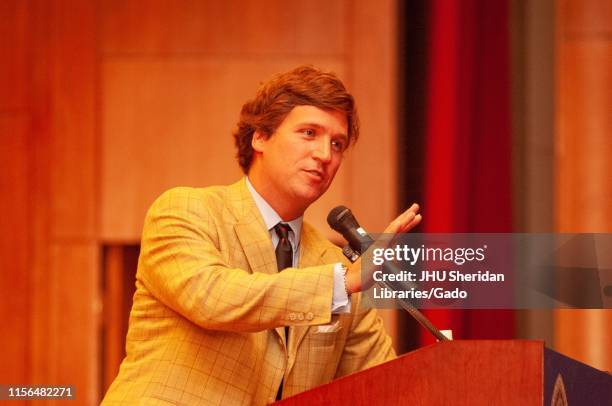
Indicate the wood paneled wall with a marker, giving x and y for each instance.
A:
(533, 81)
(174, 77)
(49, 249)
(105, 104)
(583, 151)
(14, 187)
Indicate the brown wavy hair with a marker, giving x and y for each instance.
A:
(302, 86)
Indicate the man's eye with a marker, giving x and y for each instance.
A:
(308, 131)
(338, 145)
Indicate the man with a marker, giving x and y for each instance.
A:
(238, 301)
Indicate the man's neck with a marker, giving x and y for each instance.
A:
(277, 202)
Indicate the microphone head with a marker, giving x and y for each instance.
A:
(341, 219)
(335, 216)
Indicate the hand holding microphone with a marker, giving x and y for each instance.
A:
(342, 220)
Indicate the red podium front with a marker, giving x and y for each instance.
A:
(486, 372)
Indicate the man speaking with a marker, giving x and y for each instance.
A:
(238, 301)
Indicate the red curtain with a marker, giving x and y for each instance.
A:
(468, 139)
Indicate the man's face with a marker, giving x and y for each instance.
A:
(297, 163)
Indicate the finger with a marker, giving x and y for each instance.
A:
(412, 224)
(403, 220)
(396, 225)
(409, 214)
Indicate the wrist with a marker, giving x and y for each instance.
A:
(352, 281)
(344, 274)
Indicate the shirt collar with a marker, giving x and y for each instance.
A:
(271, 217)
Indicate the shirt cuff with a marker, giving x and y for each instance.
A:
(341, 302)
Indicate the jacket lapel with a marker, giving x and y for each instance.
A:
(253, 235)
(251, 230)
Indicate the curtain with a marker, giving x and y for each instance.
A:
(468, 166)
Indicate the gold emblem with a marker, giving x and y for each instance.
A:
(558, 396)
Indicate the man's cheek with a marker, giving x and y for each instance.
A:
(334, 170)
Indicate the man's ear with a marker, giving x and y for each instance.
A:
(258, 142)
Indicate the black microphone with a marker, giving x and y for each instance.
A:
(343, 221)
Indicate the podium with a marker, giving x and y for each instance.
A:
(470, 372)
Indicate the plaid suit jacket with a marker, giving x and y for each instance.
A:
(207, 321)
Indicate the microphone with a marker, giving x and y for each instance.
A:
(342, 220)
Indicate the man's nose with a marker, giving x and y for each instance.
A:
(322, 151)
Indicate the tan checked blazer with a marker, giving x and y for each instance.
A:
(206, 325)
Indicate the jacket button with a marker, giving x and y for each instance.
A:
(291, 316)
(300, 316)
(309, 316)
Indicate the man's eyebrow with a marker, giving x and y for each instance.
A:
(308, 124)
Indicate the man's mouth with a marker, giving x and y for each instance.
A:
(315, 173)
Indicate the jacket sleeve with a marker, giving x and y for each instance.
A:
(367, 343)
(181, 265)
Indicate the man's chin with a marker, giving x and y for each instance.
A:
(310, 195)
(316, 196)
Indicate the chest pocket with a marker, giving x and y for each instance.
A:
(324, 335)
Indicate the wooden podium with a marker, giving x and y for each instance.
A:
(487, 372)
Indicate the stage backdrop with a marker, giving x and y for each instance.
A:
(468, 175)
